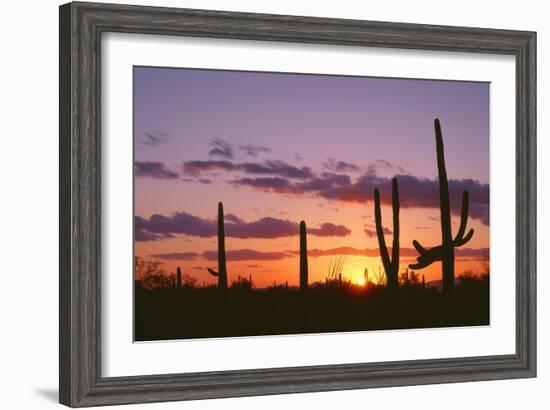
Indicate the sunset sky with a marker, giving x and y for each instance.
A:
(280, 148)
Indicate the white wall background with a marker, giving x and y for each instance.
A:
(28, 204)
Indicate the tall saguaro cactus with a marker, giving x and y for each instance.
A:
(391, 266)
(303, 256)
(178, 278)
(445, 251)
(221, 274)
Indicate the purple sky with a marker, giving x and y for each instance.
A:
(267, 129)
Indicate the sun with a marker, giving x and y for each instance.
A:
(360, 281)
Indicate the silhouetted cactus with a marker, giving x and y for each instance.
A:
(303, 256)
(391, 266)
(423, 282)
(445, 251)
(178, 278)
(221, 274)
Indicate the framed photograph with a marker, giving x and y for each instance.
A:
(261, 204)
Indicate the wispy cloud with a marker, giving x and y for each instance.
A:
(254, 150)
(220, 148)
(155, 170)
(155, 138)
(340, 166)
(371, 231)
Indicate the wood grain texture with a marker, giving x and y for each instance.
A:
(81, 25)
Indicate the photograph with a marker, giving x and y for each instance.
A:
(272, 203)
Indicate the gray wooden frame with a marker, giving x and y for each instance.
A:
(80, 380)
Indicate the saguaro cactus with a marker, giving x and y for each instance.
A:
(221, 274)
(445, 251)
(391, 266)
(178, 278)
(303, 256)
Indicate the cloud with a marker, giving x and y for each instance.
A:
(253, 255)
(271, 167)
(220, 148)
(329, 229)
(232, 218)
(375, 252)
(155, 170)
(414, 192)
(378, 164)
(155, 138)
(348, 250)
(472, 252)
(340, 166)
(254, 150)
(246, 255)
(177, 256)
(371, 231)
(160, 226)
(142, 235)
(205, 181)
(198, 166)
(270, 184)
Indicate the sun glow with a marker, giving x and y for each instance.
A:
(360, 281)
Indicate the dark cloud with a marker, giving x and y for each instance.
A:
(155, 138)
(177, 256)
(196, 167)
(155, 170)
(254, 150)
(378, 164)
(246, 255)
(253, 255)
(414, 192)
(329, 229)
(348, 250)
(472, 252)
(159, 227)
(340, 166)
(220, 148)
(375, 252)
(232, 218)
(371, 231)
(275, 184)
(142, 235)
(271, 167)
(205, 181)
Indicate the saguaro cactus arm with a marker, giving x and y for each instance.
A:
(460, 239)
(213, 272)
(428, 256)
